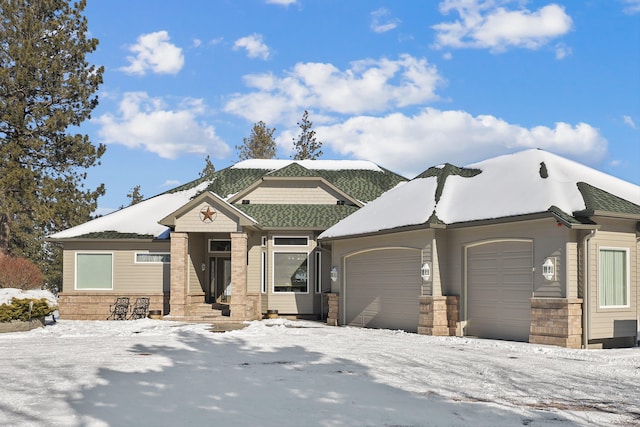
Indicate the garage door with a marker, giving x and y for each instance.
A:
(499, 285)
(383, 289)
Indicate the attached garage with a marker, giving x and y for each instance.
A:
(499, 285)
(382, 289)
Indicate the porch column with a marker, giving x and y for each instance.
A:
(178, 280)
(238, 305)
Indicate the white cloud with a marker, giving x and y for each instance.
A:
(628, 120)
(487, 26)
(282, 2)
(197, 42)
(632, 7)
(381, 21)
(367, 86)
(153, 52)
(171, 183)
(254, 46)
(562, 51)
(408, 144)
(148, 123)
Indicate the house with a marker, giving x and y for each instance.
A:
(230, 247)
(527, 247)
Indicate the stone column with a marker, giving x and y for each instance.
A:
(333, 300)
(178, 279)
(238, 305)
(556, 321)
(438, 315)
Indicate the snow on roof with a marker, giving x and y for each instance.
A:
(141, 218)
(274, 164)
(508, 185)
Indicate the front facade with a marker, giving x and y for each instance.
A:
(481, 258)
(228, 248)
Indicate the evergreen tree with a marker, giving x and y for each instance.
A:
(259, 145)
(306, 145)
(135, 196)
(46, 87)
(208, 170)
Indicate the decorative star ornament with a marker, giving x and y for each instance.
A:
(207, 214)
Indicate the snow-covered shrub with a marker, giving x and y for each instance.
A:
(19, 273)
(21, 309)
(15, 304)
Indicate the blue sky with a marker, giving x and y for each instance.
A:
(406, 84)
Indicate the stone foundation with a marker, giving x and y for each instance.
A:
(333, 302)
(556, 321)
(439, 315)
(95, 305)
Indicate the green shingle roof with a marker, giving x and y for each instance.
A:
(362, 184)
(316, 217)
(115, 235)
(443, 172)
(596, 199)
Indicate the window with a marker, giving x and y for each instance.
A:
(157, 257)
(290, 272)
(318, 272)
(263, 276)
(614, 278)
(219, 245)
(94, 271)
(291, 241)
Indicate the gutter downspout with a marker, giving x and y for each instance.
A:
(585, 304)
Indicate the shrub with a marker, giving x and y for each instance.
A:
(19, 309)
(19, 273)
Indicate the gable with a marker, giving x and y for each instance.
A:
(207, 213)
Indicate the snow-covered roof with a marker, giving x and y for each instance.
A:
(336, 165)
(527, 182)
(141, 218)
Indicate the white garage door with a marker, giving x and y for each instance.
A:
(383, 289)
(499, 285)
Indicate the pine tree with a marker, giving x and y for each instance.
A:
(306, 145)
(46, 87)
(135, 196)
(208, 170)
(259, 145)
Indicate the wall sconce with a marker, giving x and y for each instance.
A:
(334, 274)
(425, 272)
(203, 266)
(549, 269)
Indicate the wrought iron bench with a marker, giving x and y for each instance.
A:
(119, 309)
(140, 309)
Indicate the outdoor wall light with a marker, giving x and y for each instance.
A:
(425, 272)
(334, 274)
(549, 269)
(203, 266)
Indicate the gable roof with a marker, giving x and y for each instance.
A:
(524, 183)
(361, 180)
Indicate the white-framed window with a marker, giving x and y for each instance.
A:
(290, 272)
(219, 245)
(318, 270)
(153, 258)
(290, 241)
(263, 275)
(94, 270)
(613, 277)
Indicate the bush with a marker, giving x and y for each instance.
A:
(19, 273)
(19, 309)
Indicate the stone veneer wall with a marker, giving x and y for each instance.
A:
(439, 315)
(333, 302)
(556, 321)
(89, 305)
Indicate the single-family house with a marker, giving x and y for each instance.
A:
(528, 247)
(231, 246)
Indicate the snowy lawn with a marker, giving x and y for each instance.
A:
(285, 373)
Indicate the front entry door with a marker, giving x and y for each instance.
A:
(220, 280)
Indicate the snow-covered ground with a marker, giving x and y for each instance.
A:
(295, 373)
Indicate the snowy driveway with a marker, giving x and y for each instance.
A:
(283, 373)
